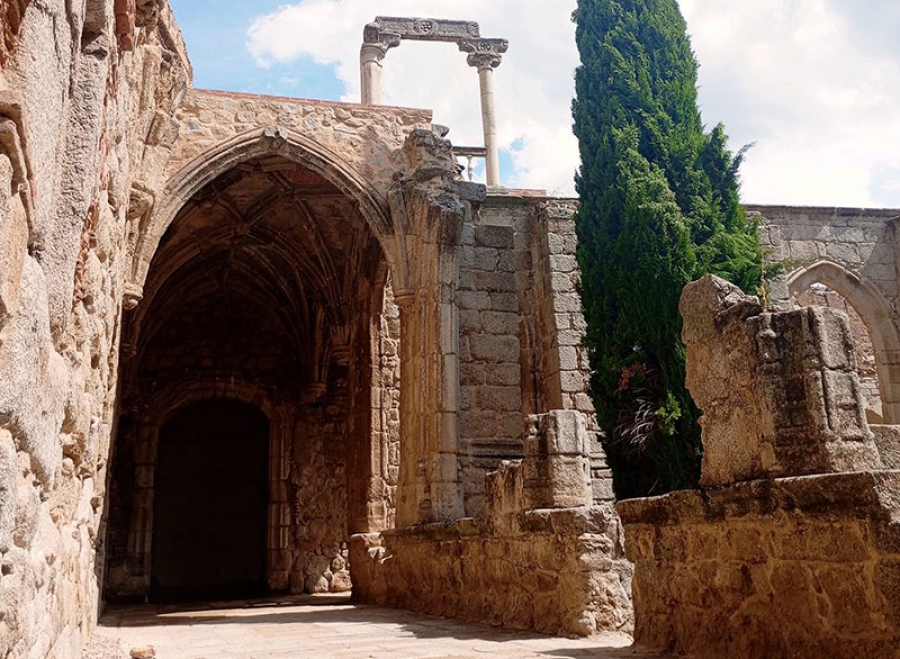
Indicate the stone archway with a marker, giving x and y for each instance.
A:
(875, 311)
(268, 284)
(155, 213)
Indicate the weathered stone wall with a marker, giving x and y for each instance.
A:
(520, 333)
(761, 563)
(541, 558)
(795, 567)
(382, 499)
(490, 378)
(854, 252)
(68, 86)
(369, 139)
(865, 351)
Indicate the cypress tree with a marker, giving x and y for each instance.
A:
(659, 208)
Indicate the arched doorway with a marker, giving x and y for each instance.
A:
(268, 286)
(210, 503)
(875, 333)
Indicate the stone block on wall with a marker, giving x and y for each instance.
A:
(779, 391)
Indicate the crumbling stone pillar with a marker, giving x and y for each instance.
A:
(428, 210)
(779, 391)
(556, 469)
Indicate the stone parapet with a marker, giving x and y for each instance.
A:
(794, 567)
(552, 571)
(542, 558)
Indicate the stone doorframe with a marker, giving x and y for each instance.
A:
(161, 407)
(875, 310)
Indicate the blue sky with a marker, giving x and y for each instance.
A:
(216, 42)
(815, 84)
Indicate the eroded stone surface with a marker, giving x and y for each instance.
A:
(779, 391)
(716, 572)
(324, 264)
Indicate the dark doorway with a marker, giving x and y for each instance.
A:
(210, 504)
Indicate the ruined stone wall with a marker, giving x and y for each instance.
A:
(762, 563)
(318, 494)
(385, 459)
(770, 569)
(490, 378)
(520, 333)
(865, 351)
(852, 251)
(541, 557)
(551, 574)
(68, 84)
(367, 138)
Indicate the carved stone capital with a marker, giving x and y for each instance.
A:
(405, 298)
(484, 53)
(140, 200)
(376, 44)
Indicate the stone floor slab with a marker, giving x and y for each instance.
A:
(329, 627)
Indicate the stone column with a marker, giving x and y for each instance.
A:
(489, 119)
(428, 210)
(486, 55)
(371, 54)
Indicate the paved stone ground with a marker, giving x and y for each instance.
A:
(326, 627)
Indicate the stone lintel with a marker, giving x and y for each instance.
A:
(421, 29)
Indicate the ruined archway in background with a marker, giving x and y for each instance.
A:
(268, 283)
(874, 310)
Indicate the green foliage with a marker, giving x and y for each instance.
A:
(659, 208)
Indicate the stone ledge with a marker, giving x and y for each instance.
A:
(842, 493)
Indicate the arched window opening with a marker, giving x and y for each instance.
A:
(819, 294)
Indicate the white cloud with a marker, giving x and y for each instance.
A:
(793, 77)
(534, 85)
(798, 77)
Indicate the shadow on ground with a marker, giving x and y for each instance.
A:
(337, 611)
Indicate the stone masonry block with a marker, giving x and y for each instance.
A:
(504, 302)
(507, 262)
(501, 399)
(494, 236)
(563, 263)
(479, 258)
(495, 282)
(566, 432)
(473, 299)
(506, 375)
(485, 347)
(500, 322)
